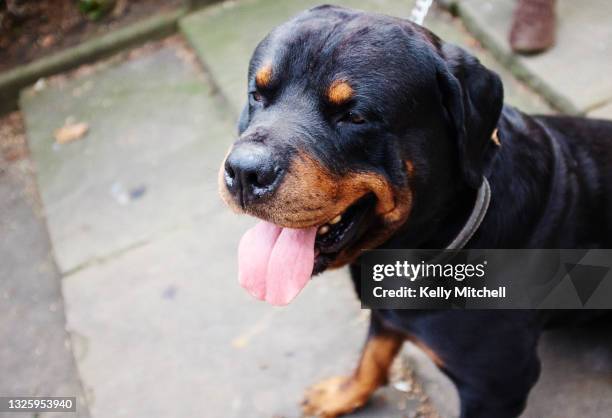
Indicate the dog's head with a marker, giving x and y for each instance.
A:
(354, 123)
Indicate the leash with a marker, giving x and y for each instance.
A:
(420, 10)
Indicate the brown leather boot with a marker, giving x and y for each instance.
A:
(533, 26)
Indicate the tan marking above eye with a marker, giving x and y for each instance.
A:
(409, 168)
(495, 138)
(264, 76)
(340, 92)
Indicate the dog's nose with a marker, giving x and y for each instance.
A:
(251, 172)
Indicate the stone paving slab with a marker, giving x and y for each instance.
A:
(164, 330)
(576, 375)
(35, 353)
(602, 112)
(139, 169)
(575, 72)
(224, 37)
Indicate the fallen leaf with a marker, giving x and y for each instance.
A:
(47, 41)
(71, 132)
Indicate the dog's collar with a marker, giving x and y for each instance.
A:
(483, 198)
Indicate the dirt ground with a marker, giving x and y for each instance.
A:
(13, 145)
(30, 29)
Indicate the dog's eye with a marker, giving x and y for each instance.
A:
(353, 117)
(256, 96)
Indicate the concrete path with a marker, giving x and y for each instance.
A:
(574, 74)
(604, 112)
(147, 251)
(35, 355)
(139, 169)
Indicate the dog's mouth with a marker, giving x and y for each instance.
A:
(342, 232)
(305, 230)
(276, 263)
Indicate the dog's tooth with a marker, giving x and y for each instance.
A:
(336, 220)
(323, 230)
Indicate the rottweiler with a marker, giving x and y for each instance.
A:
(367, 131)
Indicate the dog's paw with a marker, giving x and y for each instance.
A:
(334, 397)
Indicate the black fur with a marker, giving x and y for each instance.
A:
(435, 105)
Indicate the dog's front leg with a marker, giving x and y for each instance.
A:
(341, 395)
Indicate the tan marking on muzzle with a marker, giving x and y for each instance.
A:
(310, 195)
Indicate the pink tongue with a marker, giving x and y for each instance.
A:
(275, 263)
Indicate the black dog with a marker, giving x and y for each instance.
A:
(367, 131)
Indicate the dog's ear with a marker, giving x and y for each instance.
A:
(243, 120)
(473, 98)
